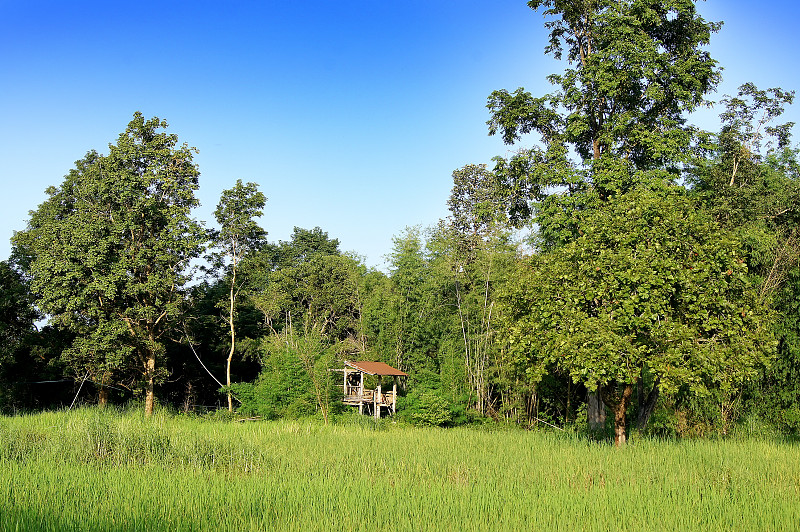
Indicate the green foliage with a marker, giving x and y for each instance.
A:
(283, 389)
(17, 314)
(304, 244)
(379, 303)
(634, 69)
(295, 380)
(747, 121)
(441, 312)
(17, 317)
(475, 207)
(431, 402)
(428, 409)
(236, 211)
(775, 397)
(238, 243)
(423, 404)
(308, 283)
(750, 181)
(26, 353)
(415, 300)
(745, 187)
(663, 423)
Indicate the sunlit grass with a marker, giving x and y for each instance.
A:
(109, 470)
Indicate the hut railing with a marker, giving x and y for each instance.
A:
(354, 390)
(353, 393)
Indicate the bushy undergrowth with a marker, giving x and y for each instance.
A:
(428, 403)
(113, 470)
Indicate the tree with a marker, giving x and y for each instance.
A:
(752, 191)
(746, 123)
(476, 249)
(750, 181)
(108, 251)
(739, 180)
(470, 270)
(436, 316)
(414, 297)
(652, 295)
(617, 118)
(17, 329)
(304, 244)
(239, 234)
(475, 209)
(638, 68)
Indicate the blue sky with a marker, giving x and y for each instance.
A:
(351, 115)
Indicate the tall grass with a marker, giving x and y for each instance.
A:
(110, 470)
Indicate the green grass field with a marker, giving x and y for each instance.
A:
(110, 470)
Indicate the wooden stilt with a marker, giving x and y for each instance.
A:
(394, 396)
(378, 400)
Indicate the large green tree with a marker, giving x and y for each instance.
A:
(652, 296)
(109, 250)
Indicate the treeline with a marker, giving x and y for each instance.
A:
(659, 287)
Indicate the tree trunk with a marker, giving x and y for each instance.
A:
(150, 396)
(233, 335)
(102, 397)
(533, 407)
(645, 405)
(188, 398)
(618, 404)
(596, 411)
(230, 396)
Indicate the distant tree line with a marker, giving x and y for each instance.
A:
(657, 286)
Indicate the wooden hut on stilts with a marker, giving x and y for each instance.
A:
(372, 401)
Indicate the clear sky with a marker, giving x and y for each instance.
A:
(350, 114)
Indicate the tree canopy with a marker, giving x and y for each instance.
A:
(634, 69)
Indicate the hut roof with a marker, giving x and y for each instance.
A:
(375, 368)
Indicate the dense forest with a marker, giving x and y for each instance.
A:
(621, 270)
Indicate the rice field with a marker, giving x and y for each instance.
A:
(110, 470)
